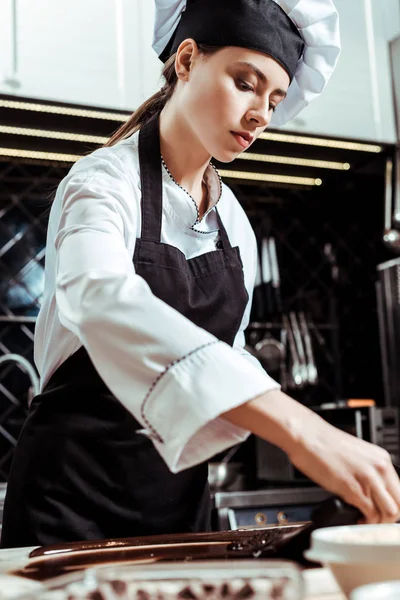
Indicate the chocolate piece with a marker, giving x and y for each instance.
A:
(187, 594)
(246, 592)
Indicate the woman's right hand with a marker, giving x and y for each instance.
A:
(360, 473)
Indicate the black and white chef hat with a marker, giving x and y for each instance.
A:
(302, 35)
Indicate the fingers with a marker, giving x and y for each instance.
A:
(360, 497)
(385, 504)
(381, 484)
(393, 486)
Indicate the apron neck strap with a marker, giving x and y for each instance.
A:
(151, 179)
(223, 236)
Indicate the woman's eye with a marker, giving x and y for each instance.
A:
(244, 86)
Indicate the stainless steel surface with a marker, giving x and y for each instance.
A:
(270, 352)
(283, 369)
(224, 473)
(387, 427)
(300, 347)
(389, 328)
(391, 235)
(274, 497)
(383, 343)
(28, 368)
(358, 421)
(276, 278)
(295, 367)
(312, 372)
(221, 475)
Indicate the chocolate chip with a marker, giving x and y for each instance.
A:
(118, 587)
(277, 592)
(187, 594)
(95, 595)
(245, 592)
(142, 595)
(225, 591)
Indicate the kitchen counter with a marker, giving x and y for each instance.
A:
(320, 585)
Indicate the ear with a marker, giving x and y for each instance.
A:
(186, 55)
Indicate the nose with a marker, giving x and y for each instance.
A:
(261, 113)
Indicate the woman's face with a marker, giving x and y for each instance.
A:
(229, 93)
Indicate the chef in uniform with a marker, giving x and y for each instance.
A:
(148, 287)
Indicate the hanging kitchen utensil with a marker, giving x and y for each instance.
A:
(295, 369)
(275, 273)
(266, 275)
(222, 474)
(254, 337)
(270, 352)
(284, 377)
(311, 365)
(299, 346)
(391, 235)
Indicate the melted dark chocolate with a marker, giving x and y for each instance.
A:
(51, 561)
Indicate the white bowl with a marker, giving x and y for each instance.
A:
(358, 554)
(388, 590)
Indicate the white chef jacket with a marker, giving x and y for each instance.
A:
(94, 298)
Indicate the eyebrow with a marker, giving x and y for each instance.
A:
(262, 77)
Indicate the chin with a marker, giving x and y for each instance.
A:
(226, 156)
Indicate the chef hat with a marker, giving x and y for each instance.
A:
(302, 35)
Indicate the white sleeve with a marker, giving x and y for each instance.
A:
(174, 377)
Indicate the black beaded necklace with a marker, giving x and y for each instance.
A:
(190, 196)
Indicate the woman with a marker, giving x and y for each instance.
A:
(144, 375)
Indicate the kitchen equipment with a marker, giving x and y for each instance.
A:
(21, 361)
(222, 474)
(359, 554)
(266, 276)
(270, 352)
(284, 378)
(275, 274)
(295, 370)
(312, 373)
(388, 299)
(391, 235)
(271, 508)
(299, 346)
(254, 337)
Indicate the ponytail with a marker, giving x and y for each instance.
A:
(156, 103)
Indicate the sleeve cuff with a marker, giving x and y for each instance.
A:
(182, 410)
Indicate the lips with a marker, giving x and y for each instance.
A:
(243, 138)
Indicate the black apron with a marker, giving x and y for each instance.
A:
(80, 471)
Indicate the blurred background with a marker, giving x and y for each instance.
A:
(322, 193)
